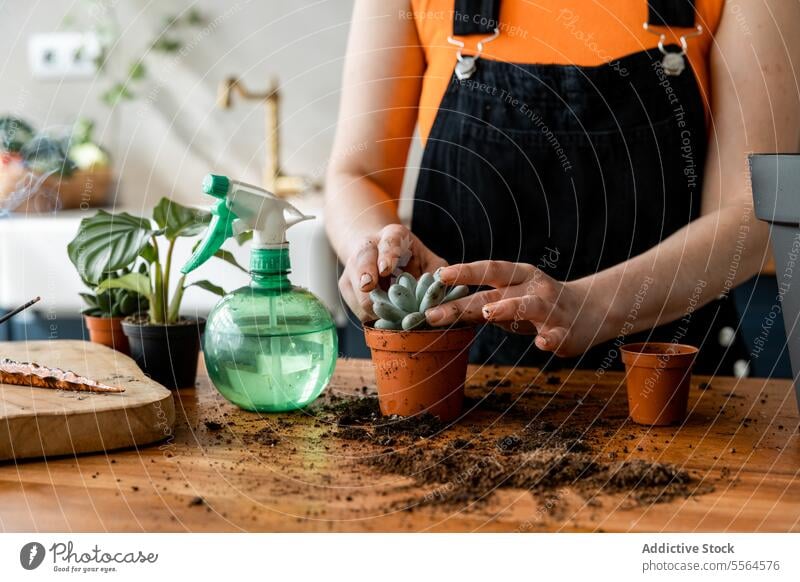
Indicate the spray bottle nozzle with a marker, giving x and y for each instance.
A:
(216, 185)
(241, 208)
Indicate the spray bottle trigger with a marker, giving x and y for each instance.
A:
(219, 230)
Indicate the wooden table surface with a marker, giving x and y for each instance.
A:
(742, 437)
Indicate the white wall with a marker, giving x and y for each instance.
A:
(165, 141)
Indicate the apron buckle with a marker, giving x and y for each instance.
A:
(674, 63)
(467, 65)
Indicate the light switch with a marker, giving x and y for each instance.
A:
(63, 55)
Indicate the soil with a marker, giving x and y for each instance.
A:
(143, 320)
(543, 457)
(360, 419)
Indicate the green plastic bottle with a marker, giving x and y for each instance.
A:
(269, 346)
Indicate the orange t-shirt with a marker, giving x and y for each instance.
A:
(572, 32)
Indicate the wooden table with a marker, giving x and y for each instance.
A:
(742, 436)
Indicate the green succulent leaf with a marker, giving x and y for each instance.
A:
(106, 243)
(208, 286)
(135, 282)
(177, 220)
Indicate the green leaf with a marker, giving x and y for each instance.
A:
(82, 131)
(208, 286)
(228, 257)
(178, 220)
(107, 242)
(137, 71)
(90, 299)
(244, 237)
(195, 18)
(149, 254)
(166, 44)
(135, 282)
(118, 92)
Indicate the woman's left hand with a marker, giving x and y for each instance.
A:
(524, 300)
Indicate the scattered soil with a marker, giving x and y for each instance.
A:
(360, 419)
(267, 436)
(543, 457)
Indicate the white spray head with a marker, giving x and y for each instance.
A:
(242, 208)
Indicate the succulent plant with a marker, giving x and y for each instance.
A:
(404, 305)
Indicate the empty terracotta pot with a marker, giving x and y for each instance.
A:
(658, 376)
(421, 370)
(108, 332)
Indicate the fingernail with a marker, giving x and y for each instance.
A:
(434, 316)
(382, 266)
(488, 311)
(366, 279)
(445, 274)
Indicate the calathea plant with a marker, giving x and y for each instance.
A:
(122, 253)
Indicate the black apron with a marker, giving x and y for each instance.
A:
(572, 169)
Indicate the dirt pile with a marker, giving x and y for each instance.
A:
(543, 457)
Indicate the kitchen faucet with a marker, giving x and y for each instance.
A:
(274, 179)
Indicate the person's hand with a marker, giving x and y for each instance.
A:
(378, 257)
(524, 300)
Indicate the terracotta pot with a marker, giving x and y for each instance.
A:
(108, 332)
(658, 377)
(420, 371)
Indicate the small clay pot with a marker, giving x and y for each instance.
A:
(420, 370)
(658, 377)
(108, 332)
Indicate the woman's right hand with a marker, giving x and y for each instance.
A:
(376, 257)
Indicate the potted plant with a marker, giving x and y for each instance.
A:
(164, 344)
(51, 170)
(105, 311)
(417, 368)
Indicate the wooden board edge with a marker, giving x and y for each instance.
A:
(157, 417)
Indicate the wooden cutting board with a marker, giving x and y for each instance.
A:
(39, 422)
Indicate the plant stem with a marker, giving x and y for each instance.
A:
(157, 304)
(167, 269)
(175, 303)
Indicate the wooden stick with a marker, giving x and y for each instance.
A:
(13, 312)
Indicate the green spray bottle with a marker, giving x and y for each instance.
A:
(269, 346)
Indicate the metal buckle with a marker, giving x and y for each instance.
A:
(466, 65)
(674, 63)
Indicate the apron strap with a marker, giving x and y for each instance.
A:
(482, 16)
(475, 17)
(673, 13)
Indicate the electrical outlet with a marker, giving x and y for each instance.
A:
(63, 55)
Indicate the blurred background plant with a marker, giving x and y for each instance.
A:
(168, 38)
